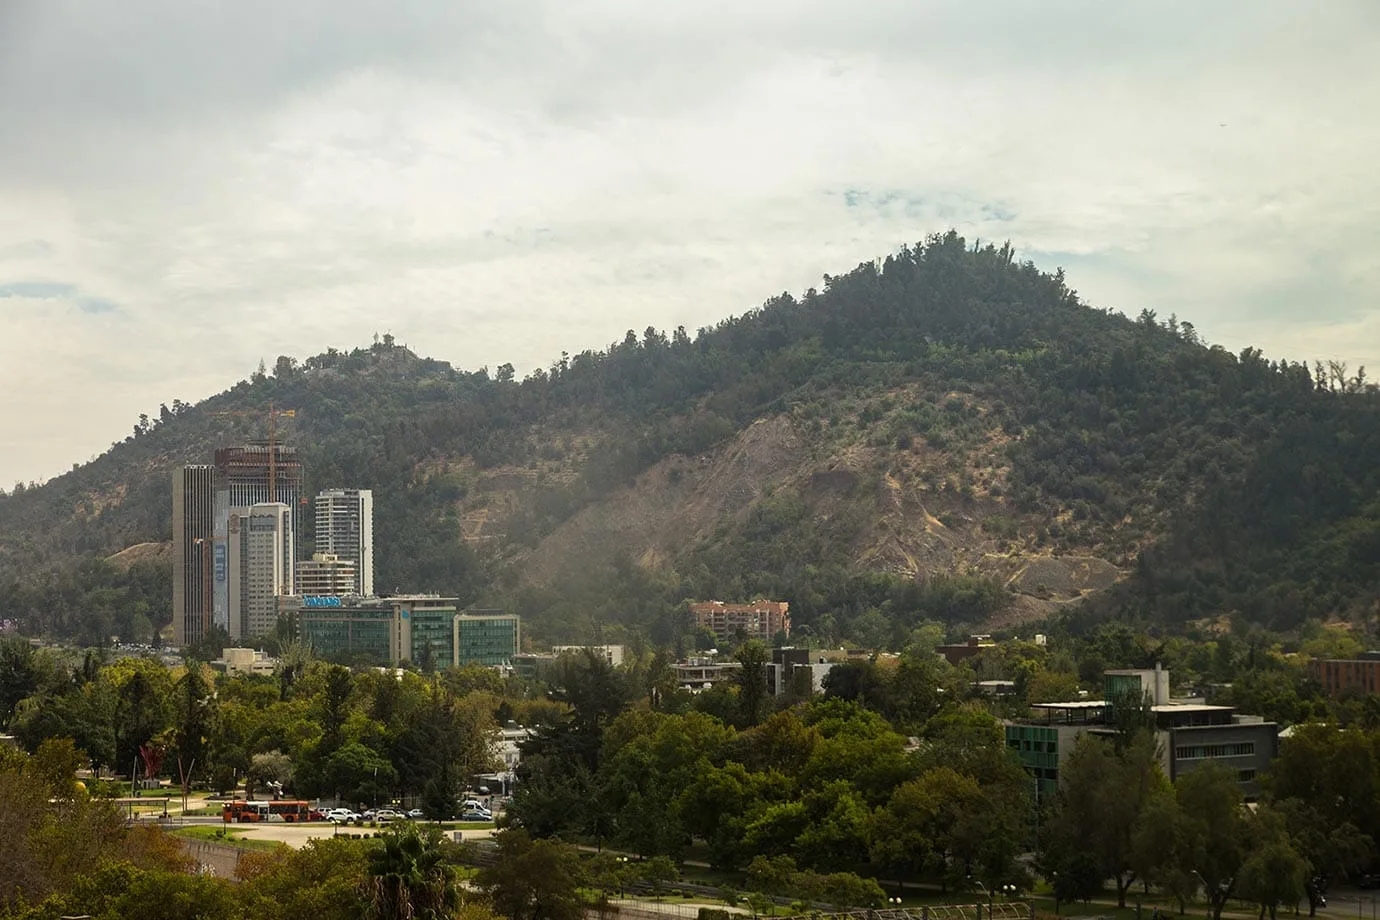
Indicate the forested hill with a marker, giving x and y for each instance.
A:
(946, 434)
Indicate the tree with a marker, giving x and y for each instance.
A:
(657, 871)
(1105, 791)
(533, 879)
(1274, 874)
(1218, 832)
(752, 681)
(408, 877)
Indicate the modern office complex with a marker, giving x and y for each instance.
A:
(427, 630)
(260, 565)
(1189, 732)
(345, 529)
(193, 553)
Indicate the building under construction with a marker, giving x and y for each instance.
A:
(245, 476)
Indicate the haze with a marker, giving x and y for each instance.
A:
(186, 188)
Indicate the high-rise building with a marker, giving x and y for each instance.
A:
(327, 575)
(345, 529)
(193, 550)
(242, 477)
(261, 567)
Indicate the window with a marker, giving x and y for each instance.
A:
(1245, 776)
(1212, 751)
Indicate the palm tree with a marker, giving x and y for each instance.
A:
(408, 879)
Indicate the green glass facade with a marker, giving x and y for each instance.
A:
(344, 632)
(432, 633)
(428, 631)
(1117, 686)
(486, 639)
(1038, 749)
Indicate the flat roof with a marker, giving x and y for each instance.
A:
(1072, 704)
(1189, 707)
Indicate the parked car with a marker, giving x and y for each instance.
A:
(388, 814)
(416, 814)
(343, 816)
(368, 814)
(476, 816)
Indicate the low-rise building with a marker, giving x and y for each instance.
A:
(960, 651)
(245, 661)
(1337, 675)
(613, 654)
(1189, 733)
(424, 629)
(760, 619)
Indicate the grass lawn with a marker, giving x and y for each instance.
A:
(227, 836)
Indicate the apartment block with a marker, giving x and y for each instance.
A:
(760, 619)
(345, 529)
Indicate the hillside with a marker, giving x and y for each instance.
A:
(947, 434)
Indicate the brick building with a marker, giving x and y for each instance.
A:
(760, 619)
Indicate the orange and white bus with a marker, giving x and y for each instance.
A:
(289, 811)
(244, 811)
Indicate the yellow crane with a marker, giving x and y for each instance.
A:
(272, 414)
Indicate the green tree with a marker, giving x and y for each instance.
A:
(752, 682)
(1105, 792)
(533, 879)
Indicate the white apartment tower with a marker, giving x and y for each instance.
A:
(345, 529)
(261, 567)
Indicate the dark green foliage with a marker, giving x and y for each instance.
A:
(1233, 482)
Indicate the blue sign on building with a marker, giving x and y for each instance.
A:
(321, 601)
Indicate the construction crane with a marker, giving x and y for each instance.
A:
(272, 414)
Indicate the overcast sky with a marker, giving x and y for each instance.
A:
(187, 187)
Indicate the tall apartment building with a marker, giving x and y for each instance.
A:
(193, 552)
(345, 529)
(261, 567)
(760, 619)
(242, 477)
(327, 575)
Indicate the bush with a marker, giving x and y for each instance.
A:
(713, 913)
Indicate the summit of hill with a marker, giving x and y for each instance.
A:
(948, 433)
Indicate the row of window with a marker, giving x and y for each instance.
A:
(1209, 751)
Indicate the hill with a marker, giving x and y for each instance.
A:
(947, 433)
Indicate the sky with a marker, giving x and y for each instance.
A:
(189, 187)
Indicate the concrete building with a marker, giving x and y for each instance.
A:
(193, 553)
(327, 575)
(260, 567)
(424, 629)
(698, 674)
(761, 619)
(1340, 675)
(1189, 733)
(242, 476)
(245, 661)
(613, 654)
(345, 529)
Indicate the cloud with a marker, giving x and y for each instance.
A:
(507, 182)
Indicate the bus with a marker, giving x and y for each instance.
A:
(244, 811)
(290, 811)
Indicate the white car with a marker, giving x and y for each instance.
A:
(388, 814)
(342, 816)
